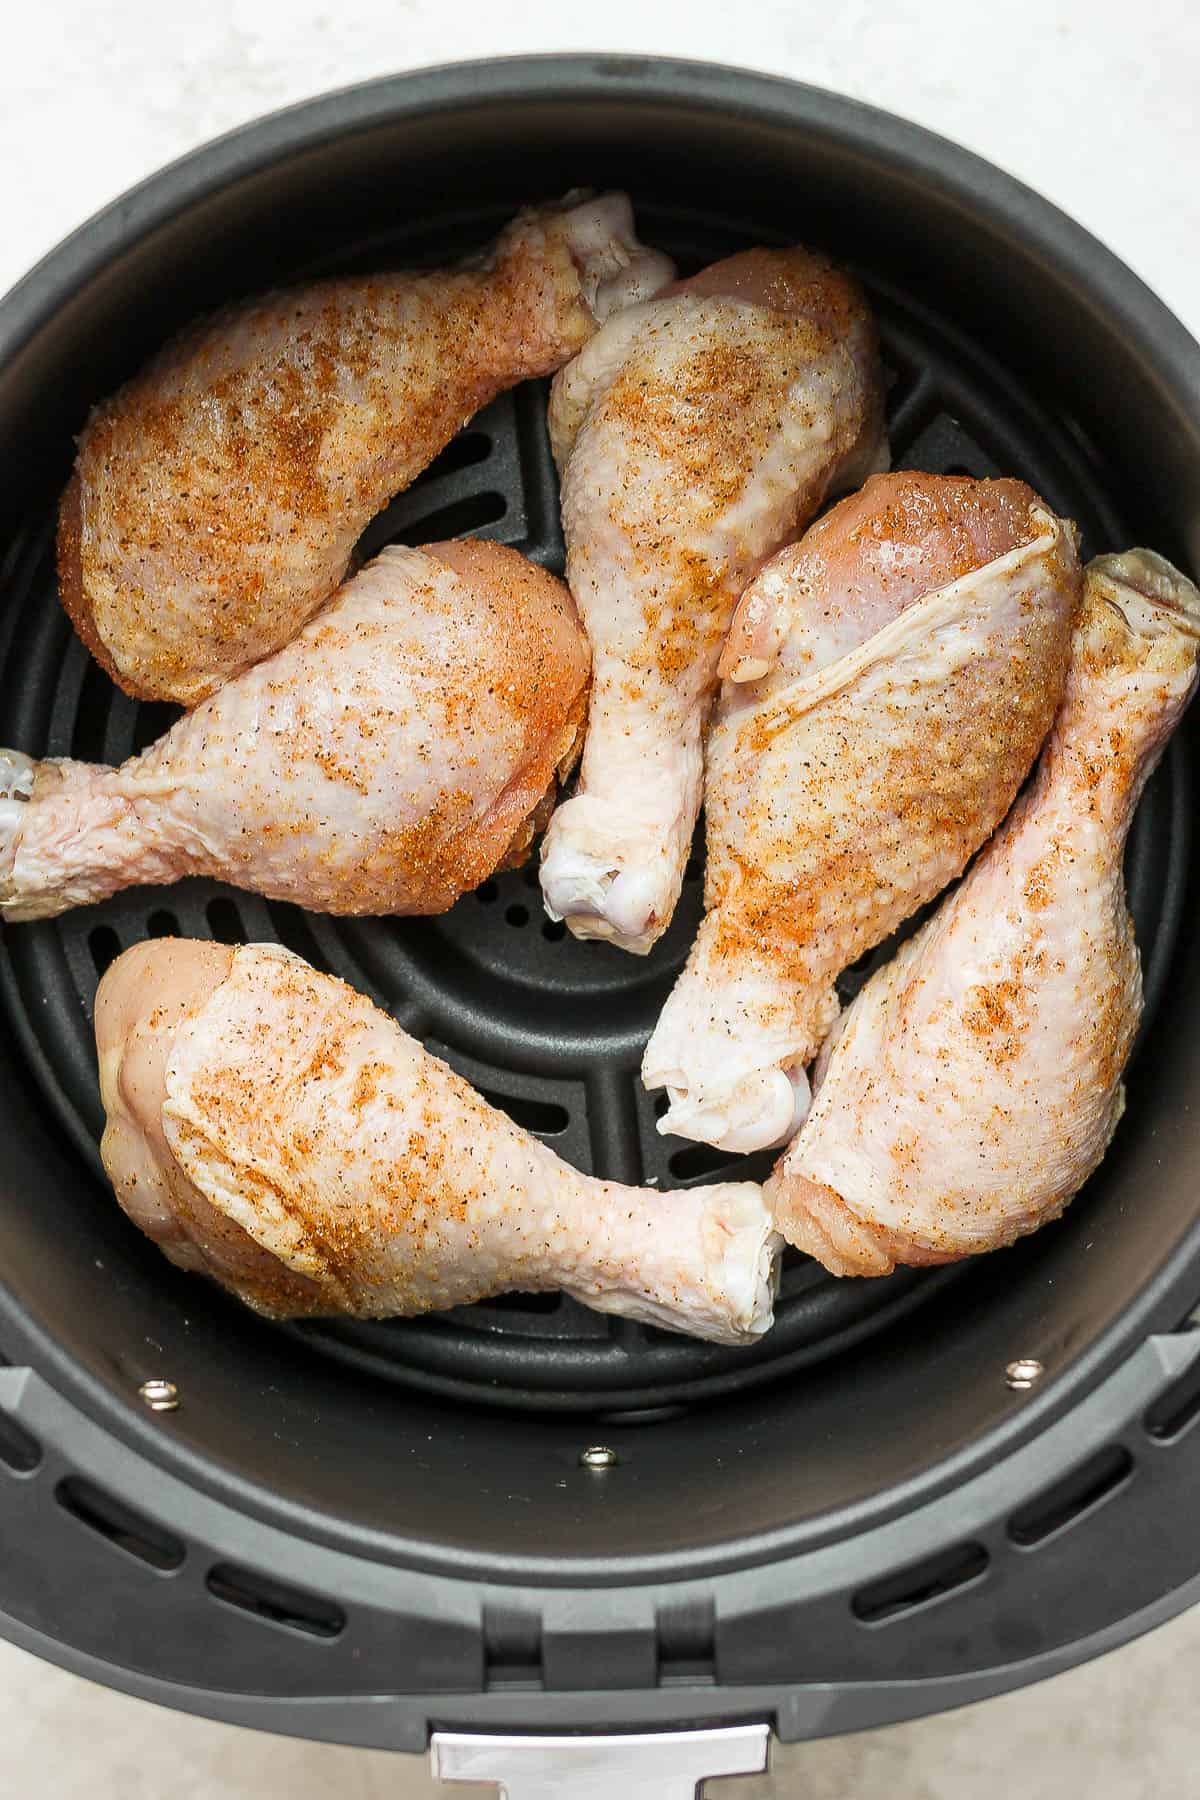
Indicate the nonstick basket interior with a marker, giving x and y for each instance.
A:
(549, 1029)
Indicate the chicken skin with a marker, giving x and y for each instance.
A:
(271, 1127)
(218, 496)
(694, 435)
(975, 1083)
(388, 759)
(892, 679)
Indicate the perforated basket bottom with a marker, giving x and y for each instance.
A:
(549, 1029)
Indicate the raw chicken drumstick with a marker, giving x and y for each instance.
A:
(975, 1082)
(893, 676)
(269, 1126)
(393, 755)
(218, 496)
(694, 435)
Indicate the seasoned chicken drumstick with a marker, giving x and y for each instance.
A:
(694, 435)
(975, 1082)
(893, 676)
(269, 1126)
(217, 497)
(388, 759)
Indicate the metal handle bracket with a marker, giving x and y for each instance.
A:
(649, 1765)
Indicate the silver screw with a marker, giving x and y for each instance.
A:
(598, 1456)
(159, 1395)
(1025, 1373)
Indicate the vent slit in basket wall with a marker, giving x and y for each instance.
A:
(124, 1528)
(471, 513)
(275, 1601)
(462, 452)
(920, 1584)
(1175, 1411)
(545, 1117)
(1068, 1500)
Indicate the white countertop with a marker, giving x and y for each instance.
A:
(1092, 102)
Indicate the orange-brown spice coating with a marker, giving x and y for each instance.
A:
(921, 794)
(893, 675)
(693, 439)
(975, 1082)
(290, 1140)
(385, 761)
(218, 495)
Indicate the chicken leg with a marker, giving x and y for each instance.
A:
(218, 496)
(269, 1126)
(385, 761)
(694, 435)
(893, 677)
(975, 1083)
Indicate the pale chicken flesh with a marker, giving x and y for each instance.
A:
(217, 497)
(272, 1128)
(893, 677)
(389, 758)
(975, 1083)
(694, 435)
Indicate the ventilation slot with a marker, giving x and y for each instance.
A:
(456, 520)
(1173, 1412)
(920, 1585)
(512, 1650)
(554, 930)
(462, 452)
(96, 704)
(162, 924)
(516, 914)
(225, 921)
(1070, 1499)
(698, 1161)
(543, 1117)
(105, 947)
(110, 1518)
(154, 719)
(486, 892)
(294, 932)
(273, 1601)
(524, 1303)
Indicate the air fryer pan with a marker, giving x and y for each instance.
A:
(341, 1512)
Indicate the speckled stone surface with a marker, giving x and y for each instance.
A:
(1094, 103)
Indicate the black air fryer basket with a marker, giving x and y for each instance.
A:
(916, 1491)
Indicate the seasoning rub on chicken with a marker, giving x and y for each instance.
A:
(891, 680)
(217, 497)
(272, 1128)
(694, 435)
(403, 746)
(975, 1082)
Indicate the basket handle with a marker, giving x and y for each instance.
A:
(650, 1765)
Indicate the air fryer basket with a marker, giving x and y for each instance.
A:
(363, 1531)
